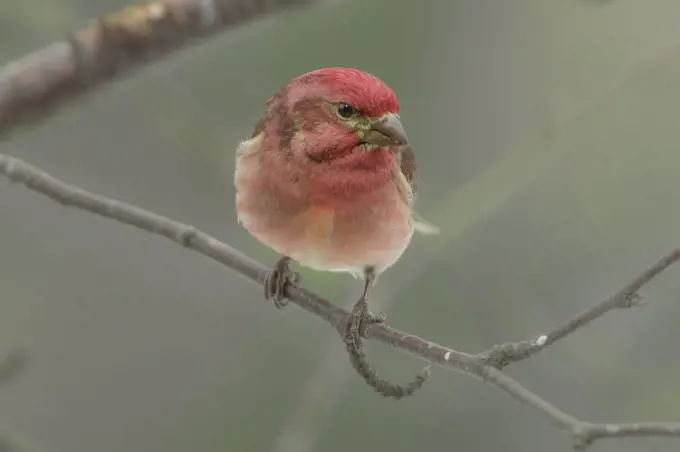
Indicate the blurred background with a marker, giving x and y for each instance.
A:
(546, 133)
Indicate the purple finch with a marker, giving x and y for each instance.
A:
(328, 180)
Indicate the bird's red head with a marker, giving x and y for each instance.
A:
(330, 113)
(335, 124)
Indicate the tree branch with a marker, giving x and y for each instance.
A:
(34, 86)
(626, 297)
(583, 433)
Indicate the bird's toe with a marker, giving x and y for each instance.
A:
(276, 281)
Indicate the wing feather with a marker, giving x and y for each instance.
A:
(408, 169)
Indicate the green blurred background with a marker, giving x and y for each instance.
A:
(546, 133)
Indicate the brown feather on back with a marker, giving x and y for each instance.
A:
(408, 167)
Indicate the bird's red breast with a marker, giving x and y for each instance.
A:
(334, 233)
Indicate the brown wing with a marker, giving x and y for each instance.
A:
(266, 116)
(408, 167)
(276, 112)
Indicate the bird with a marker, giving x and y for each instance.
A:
(328, 180)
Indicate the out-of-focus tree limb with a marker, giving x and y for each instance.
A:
(34, 86)
(481, 366)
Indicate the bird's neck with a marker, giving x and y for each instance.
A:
(334, 175)
(357, 176)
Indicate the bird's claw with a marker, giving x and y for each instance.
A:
(371, 318)
(276, 280)
(359, 318)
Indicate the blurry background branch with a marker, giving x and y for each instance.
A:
(583, 433)
(116, 43)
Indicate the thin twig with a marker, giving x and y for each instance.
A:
(34, 86)
(626, 297)
(583, 433)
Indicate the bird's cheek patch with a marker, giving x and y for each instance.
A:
(302, 143)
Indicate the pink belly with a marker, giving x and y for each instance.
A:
(372, 231)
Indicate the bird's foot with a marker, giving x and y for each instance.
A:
(276, 280)
(358, 319)
(355, 330)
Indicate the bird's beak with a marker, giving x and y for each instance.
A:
(386, 131)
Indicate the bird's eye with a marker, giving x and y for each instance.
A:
(346, 110)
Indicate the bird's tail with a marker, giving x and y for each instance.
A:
(423, 226)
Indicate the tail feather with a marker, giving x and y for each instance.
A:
(423, 226)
